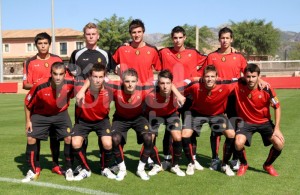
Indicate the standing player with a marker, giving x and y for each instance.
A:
(46, 107)
(253, 106)
(36, 69)
(161, 108)
(183, 63)
(138, 54)
(82, 60)
(230, 65)
(209, 104)
(93, 116)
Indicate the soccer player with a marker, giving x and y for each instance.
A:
(35, 69)
(253, 106)
(82, 60)
(209, 104)
(93, 116)
(161, 108)
(138, 54)
(183, 63)
(46, 107)
(230, 64)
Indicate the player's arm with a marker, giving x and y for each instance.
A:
(28, 125)
(81, 93)
(180, 98)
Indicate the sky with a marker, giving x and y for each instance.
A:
(159, 16)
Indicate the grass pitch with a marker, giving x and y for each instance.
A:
(256, 180)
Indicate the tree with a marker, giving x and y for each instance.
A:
(113, 32)
(294, 53)
(255, 37)
(205, 34)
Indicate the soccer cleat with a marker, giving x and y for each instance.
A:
(214, 164)
(77, 170)
(69, 175)
(190, 169)
(121, 174)
(235, 164)
(30, 176)
(176, 169)
(242, 170)
(58, 170)
(143, 175)
(166, 165)
(198, 166)
(82, 174)
(270, 169)
(227, 170)
(107, 173)
(156, 169)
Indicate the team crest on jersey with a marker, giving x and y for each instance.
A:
(234, 58)
(68, 130)
(99, 60)
(249, 96)
(146, 127)
(46, 65)
(223, 59)
(190, 55)
(148, 52)
(137, 52)
(220, 90)
(259, 96)
(138, 97)
(107, 131)
(24, 77)
(178, 56)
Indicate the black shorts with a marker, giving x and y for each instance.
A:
(83, 128)
(217, 124)
(184, 110)
(172, 122)
(41, 125)
(139, 124)
(265, 130)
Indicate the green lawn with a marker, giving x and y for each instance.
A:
(256, 181)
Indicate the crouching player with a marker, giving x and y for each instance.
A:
(46, 108)
(92, 115)
(253, 106)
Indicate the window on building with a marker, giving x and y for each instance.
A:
(30, 47)
(79, 45)
(6, 48)
(63, 48)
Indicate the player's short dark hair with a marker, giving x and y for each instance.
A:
(56, 65)
(252, 68)
(98, 67)
(135, 24)
(42, 36)
(209, 68)
(89, 25)
(225, 30)
(178, 29)
(166, 73)
(130, 72)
